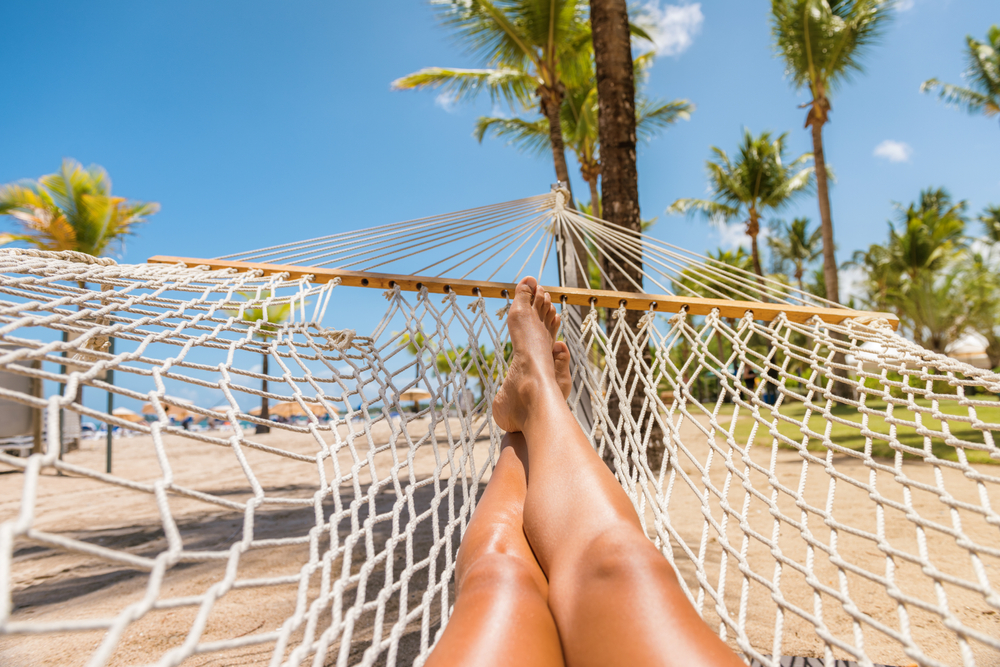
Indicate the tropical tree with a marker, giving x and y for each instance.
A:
(72, 209)
(580, 127)
(728, 268)
(458, 359)
(265, 323)
(757, 181)
(928, 235)
(527, 47)
(797, 244)
(990, 217)
(981, 294)
(983, 74)
(918, 273)
(822, 43)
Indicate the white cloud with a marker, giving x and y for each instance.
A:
(447, 101)
(852, 283)
(733, 235)
(893, 151)
(904, 5)
(675, 26)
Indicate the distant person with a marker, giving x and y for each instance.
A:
(554, 567)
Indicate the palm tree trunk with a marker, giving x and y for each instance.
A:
(595, 210)
(619, 177)
(826, 220)
(755, 254)
(753, 230)
(551, 99)
(595, 198)
(841, 389)
(264, 413)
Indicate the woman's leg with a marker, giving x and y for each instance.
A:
(614, 597)
(501, 614)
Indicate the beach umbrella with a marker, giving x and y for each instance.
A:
(178, 413)
(289, 409)
(221, 410)
(127, 415)
(415, 395)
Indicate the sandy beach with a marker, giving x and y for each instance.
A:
(51, 584)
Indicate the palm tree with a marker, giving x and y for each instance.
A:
(72, 209)
(267, 326)
(795, 243)
(528, 46)
(822, 42)
(757, 181)
(982, 73)
(990, 217)
(579, 125)
(928, 234)
(916, 273)
(981, 294)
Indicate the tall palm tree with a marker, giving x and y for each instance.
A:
(755, 182)
(616, 101)
(797, 244)
(983, 74)
(527, 47)
(579, 125)
(822, 42)
(72, 209)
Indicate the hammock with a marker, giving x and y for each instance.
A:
(823, 486)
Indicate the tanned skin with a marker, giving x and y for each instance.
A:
(555, 567)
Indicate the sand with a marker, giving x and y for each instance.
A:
(51, 584)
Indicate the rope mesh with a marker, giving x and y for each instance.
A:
(807, 513)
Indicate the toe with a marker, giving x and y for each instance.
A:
(542, 302)
(550, 321)
(560, 352)
(524, 293)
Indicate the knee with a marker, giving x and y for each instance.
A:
(618, 556)
(498, 571)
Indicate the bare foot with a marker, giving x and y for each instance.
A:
(560, 351)
(532, 322)
(560, 359)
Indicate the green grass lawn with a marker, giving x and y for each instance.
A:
(851, 437)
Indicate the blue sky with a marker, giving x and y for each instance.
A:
(255, 123)
(259, 122)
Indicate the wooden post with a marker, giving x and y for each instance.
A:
(38, 391)
(110, 378)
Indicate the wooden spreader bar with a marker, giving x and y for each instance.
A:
(567, 295)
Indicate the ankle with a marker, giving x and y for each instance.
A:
(546, 401)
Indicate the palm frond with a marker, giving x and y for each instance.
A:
(707, 207)
(513, 86)
(71, 209)
(651, 116)
(823, 42)
(961, 97)
(983, 74)
(529, 136)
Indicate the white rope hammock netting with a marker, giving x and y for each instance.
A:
(809, 511)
